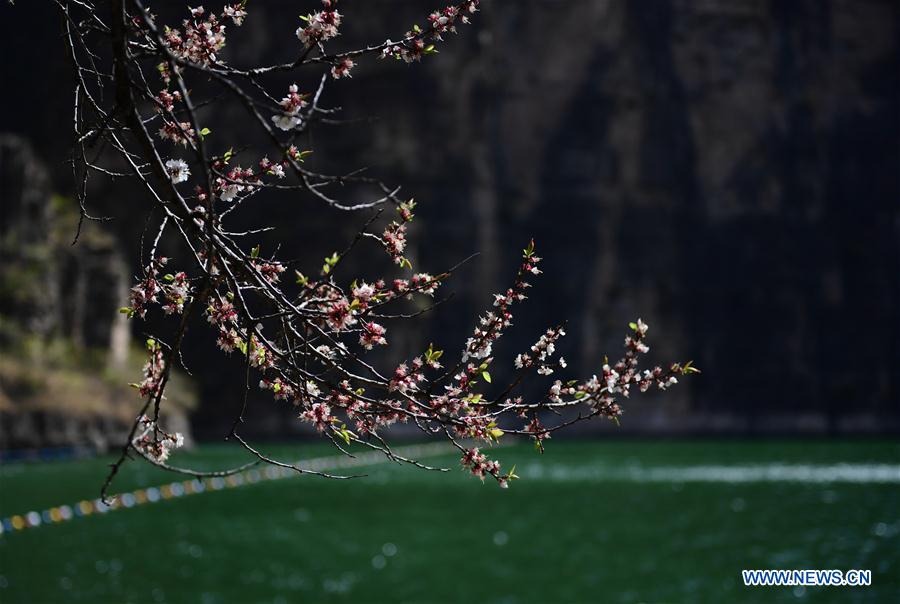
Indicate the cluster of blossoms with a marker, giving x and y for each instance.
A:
(154, 369)
(270, 270)
(177, 291)
(478, 427)
(394, 236)
(395, 241)
(662, 379)
(260, 356)
(342, 68)
(281, 391)
(372, 334)
(153, 442)
(223, 315)
(418, 42)
(460, 409)
(235, 12)
(407, 376)
(339, 315)
(492, 323)
(267, 166)
(291, 105)
(319, 414)
(235, 181)
(221, 312)
(180, 133)
(364, 293)
(166, 101)
(320, 26)
(480, 466)
(559, 390)
(618, 379)
(202, 37)
(424, 283)
(537, 432)
(541, 352)
(172, 291)
(308, 345)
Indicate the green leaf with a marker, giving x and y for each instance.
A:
(432, 355)
(486, 376)
(633, 326)
(689, 368)
(254, 253)
(345, 434)
(205, 132)
(330, 261)
(530, 249)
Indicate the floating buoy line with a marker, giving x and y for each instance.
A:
(195, 486)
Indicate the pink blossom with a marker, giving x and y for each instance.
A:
(320, 26)
(342, 69)
(372, 333)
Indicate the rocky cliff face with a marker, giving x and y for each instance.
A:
(66, 358)
(729, 170)
(725, 169)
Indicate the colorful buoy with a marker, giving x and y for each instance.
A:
(64, 513)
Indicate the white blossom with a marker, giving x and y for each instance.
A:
(229, 192)
(178, 170)
(286, 121)
(312, 389)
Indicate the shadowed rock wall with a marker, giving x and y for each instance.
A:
(725, 169)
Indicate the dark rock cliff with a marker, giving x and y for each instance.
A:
(65, 357)
(729, 170)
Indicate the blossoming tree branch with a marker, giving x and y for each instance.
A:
(142, 88)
